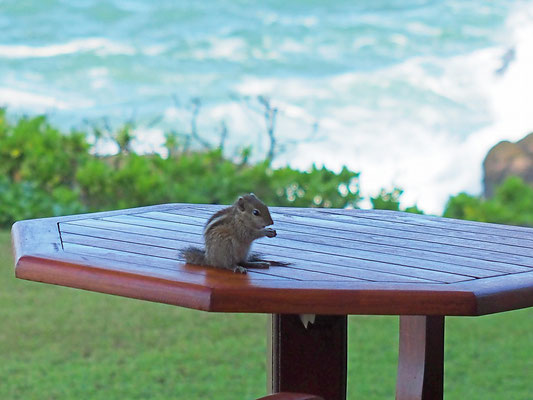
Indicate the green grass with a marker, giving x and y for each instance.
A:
(60, 343)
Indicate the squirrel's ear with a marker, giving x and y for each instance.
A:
(240, 203)
(253, 195)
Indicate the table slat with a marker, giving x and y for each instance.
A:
(339, 272)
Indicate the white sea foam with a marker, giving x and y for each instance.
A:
(149, 140)
(38, 102)
(233, 49)
(308, 21)
(291, 89)
(423, 29)
(292, 46)
(154, 50)
(363, 41)
(237, 49)
(101, 46)
(99, 77)
(425, 148)
(420, 153)
(510, 95)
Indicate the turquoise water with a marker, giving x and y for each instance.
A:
(411, 93)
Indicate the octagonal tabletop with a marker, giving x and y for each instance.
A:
(325, 261)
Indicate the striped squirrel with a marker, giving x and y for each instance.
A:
(229, 234)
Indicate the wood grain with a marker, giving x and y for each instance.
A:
(330, 264)
(291, 396)
(350, 254)
(309, 359)
(421, 358)
(351, 235)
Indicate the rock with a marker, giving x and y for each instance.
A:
(527, 144)
(508, 159)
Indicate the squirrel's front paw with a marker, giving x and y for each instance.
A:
(270, 232)
(239, 269)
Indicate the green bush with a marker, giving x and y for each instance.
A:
(512, 203)
(22, 200)
(33, 151)
(391, 201)
(45, 172)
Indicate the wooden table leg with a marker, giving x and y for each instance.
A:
(309, 360)
(421, 358)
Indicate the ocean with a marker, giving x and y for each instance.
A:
(411, 93)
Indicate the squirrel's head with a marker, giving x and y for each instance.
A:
(255, 210)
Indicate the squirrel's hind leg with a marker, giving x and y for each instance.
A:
(222, 255)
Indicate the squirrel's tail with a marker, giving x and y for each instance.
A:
(194, 255)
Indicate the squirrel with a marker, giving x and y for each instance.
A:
(229, 234)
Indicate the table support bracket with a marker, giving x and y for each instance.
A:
(309, 360)
(421, 358)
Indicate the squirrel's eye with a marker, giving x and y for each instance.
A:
(256, 211)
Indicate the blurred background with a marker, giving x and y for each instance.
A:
(412, 94)
(413, 105)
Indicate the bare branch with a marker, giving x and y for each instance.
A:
(270, 121)
(196, 105)
(156, 120)
(176, 101)
(223, 134)
(261, 105)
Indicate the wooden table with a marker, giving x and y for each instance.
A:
(330, 263)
